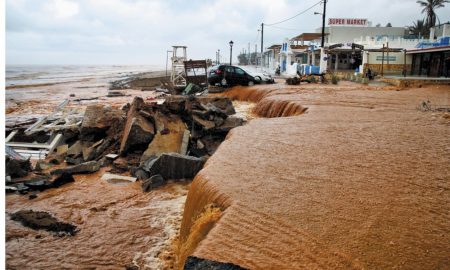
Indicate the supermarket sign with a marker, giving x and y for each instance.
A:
(348, 21)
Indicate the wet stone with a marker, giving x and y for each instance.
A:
(174, 166)
(153, 182)
(195, 263)
(38, 220)
(87, 167)
(17, 168)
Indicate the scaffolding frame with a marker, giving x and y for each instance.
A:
(178, 76)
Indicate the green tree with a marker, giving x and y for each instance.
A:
(429, 7)
(388, 24)
(418, 28)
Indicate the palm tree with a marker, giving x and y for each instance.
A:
(418, 28)
(429, 6)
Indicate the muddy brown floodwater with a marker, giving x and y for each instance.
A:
(360, 180)
(118, 225)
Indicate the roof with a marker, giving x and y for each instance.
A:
(275, 46)
(430, 49)
(308, 36)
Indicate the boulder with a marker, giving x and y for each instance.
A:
(152, 183)
(169, 139)
(86, 167)
(138, 131)
(229, 123)
(174, 166)
(17, 167)
(38, 220)
(97, 120)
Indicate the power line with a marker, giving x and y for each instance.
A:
(284, 28)
(298, 14)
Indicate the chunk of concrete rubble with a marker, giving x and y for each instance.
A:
(17, 167)
(229, 123)
(153, 182)
(173, 166)
(195, 263)
(115, 178)
(62, 149)
(98, 119)
(138, 130)
(38, 220)
(42, 165)
(42, 183)
(169, 139)
(112, 156)
(86, 167)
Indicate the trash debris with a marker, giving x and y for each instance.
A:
(17, 167)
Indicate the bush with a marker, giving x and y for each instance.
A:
(365, 81)
(334, 79)
(313, 79)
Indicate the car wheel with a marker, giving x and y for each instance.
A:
(223, 82)
(258, 78)
(251, 83)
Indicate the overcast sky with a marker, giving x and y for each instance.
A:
(140, 31)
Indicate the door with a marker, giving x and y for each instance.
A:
(241, 76)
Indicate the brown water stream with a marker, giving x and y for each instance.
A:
(118, 225)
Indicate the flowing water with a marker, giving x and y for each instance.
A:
(358, 181)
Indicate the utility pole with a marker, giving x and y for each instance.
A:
(256, 54)
(249, 55)
(262, 40)
(323, 22)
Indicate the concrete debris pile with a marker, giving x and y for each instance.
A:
(153, 141)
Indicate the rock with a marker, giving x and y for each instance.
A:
(170, 139)
(204, 123)
(138, 132)
(115, 178)
(74, 161)
(229, 123)
(152, 183)
(97, 120)
(42, 165)
(16, 167)
(195, 263)
(62, 149)
(174, 166)
(86, 167)
(38, 220)
(43, 183)
(121, 164)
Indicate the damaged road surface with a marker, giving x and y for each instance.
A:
(117, 183)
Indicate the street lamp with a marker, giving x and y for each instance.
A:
(231, 51)
(219, 57)
(167, 56)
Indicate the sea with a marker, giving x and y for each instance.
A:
(35, 75)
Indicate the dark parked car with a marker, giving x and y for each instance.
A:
(227, 75)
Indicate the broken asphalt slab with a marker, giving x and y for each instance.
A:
(38, 220)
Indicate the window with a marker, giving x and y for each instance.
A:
(229, 69)
(239, 71)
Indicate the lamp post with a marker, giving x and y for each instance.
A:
(167, 56)
(231, 51)
(219, 56)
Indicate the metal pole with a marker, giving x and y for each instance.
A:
(167, 56)
(262, 40)
(218, 53)
(323, 22)
(404, 63)
(382, 61)
(231, 53)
